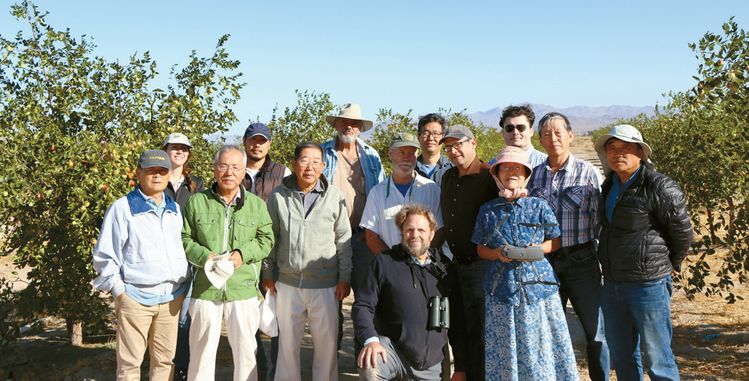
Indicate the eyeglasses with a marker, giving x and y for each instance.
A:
(225, 167)
(512, 127)
(435, 134)
(456, 145)
(305, 162)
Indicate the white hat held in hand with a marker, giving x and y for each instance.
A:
(219, 269)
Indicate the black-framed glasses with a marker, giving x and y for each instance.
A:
(437, 135)
(456, 145)
(512, 127)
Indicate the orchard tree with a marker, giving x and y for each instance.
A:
(72, 126)
(304, 122)
(701, 140)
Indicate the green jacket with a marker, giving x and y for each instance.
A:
(312, 251)
(245, 225)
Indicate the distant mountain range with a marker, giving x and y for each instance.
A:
(583, 118)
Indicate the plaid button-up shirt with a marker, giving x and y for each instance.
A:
(573, 193)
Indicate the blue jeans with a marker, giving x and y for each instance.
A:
(182, 352)
(580, 283)
(639, 314)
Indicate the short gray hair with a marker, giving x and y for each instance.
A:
(549, 117)
(229, 147)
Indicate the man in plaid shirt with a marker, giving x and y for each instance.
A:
(572, 188)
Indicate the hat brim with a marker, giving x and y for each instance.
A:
(216, 279)
(366, 124)
(454, 136)
(493, 168)
(600, 147)
(165, 166)
(405, 144)
(258, 134)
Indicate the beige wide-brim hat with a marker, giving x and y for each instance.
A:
(350, 111)
(219, 269)
(623, 132)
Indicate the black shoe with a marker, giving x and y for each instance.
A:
(180, 375)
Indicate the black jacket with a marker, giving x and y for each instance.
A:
(394, 303)
(268, 178)
(184, 192)
(650, 232)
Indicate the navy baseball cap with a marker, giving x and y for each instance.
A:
(255, 129)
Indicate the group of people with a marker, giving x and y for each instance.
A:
(445, 249)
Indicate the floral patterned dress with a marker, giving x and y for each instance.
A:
(526, 336)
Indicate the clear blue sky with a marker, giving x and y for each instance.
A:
(418, 55)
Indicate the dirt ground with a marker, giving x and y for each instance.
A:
(710, 340)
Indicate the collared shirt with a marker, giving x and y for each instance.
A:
(308, 199)
(368, 157)
(616, 190)
(460, 200)
(522, 222)
(159, 209)
(435, 172)
(535, 156)
(572, 193)
(385, 201)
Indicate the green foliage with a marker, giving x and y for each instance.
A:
(9, 323)
(701, 140)
(305, 122)
(72, 126)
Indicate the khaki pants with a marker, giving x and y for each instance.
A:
(242, 318)
(319, 308)
(140, 325)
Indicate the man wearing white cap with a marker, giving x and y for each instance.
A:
(404, 186)
(140, 260)
(227, 233)
(645, 235)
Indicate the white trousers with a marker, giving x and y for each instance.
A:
(319, 308)
(242, 318)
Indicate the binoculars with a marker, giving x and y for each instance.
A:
(439, 312)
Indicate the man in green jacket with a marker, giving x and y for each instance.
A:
(313, 262)
(227, 233)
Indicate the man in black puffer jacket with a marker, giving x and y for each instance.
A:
(391, 312)
(645, 235)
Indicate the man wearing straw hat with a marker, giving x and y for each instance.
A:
(227, 233)
(355, 168)
(645, 235)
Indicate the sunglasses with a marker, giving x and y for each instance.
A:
(512, 127)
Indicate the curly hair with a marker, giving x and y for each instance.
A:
(513, 111)
(417, 209)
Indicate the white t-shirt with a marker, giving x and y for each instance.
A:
(384, 201)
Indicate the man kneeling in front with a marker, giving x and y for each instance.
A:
(402, 314)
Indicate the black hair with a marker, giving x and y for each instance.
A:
(430, 118)
(304, 145)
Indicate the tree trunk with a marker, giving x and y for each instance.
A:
(75, 329)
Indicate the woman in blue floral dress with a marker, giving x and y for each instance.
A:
(526, 334)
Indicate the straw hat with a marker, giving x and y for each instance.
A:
(350, 111)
